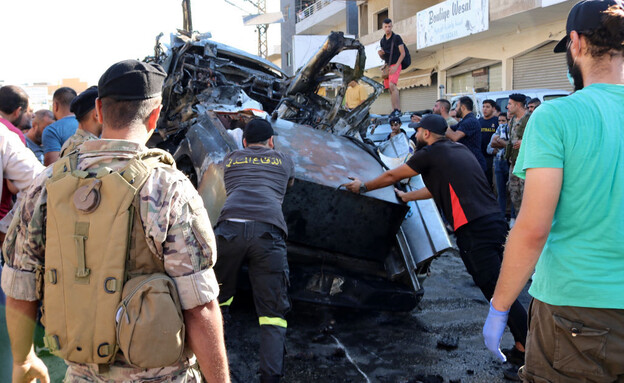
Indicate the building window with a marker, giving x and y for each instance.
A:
(289, 58)
(486, 79)
(381, 16)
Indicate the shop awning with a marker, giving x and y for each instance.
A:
(419, 77)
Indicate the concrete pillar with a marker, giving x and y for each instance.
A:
(507, 69)
(442, 82)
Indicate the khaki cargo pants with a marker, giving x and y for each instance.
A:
(569, 344)
(516, 188)
(77, 373)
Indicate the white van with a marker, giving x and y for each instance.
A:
(502, 97)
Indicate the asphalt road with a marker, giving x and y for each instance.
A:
(330, 345)
(339, 345)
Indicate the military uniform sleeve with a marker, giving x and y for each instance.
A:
(177, 226)
(24, 246)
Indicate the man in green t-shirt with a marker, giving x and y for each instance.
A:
(570, 229)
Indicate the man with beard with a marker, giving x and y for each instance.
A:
(533, 104)
(456, 182)
(442, 107)
(468, 130)
(14, 109)
(41, 119)
(570, 229)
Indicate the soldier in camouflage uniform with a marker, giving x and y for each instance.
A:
(89, 128)
(176, 228)
(517, 124)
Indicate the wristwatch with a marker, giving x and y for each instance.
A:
(363, 188)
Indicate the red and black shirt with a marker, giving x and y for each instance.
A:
(455, 179)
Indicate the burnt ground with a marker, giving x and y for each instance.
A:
(339, 345)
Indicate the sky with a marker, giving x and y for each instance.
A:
(48, 40)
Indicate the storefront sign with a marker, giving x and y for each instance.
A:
(451, 20)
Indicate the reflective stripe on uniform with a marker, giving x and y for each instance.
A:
(272, 321)
(227, 303)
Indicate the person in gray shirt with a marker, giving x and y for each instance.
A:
(252, 229)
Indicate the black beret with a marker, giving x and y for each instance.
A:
(518, 97)
(84, 102)
(132, 80)
(394, 119)
(257, 130)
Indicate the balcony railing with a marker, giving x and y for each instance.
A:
(309, 11)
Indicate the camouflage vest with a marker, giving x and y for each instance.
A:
(95, 242)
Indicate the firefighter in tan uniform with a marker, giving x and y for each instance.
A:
(176, 239)
(89, 127)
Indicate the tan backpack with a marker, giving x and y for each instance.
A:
(95, 243)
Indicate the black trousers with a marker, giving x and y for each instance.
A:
(480, 245)
(263, 247)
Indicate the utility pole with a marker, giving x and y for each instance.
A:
(261, 21)
(187, 22)
(263, 49)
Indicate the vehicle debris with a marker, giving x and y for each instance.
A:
(366, 251)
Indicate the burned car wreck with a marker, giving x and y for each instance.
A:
(363, 251)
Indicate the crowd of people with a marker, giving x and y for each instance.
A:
(560, 164)
(109, 221)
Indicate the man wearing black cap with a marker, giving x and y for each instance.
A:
(251, 228)
(165, 230)
(89, 128)
(457, 184)
(570, 229)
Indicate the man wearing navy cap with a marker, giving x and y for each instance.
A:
(455, 180)
(168, 233)
(89, 128)
(570, 229)
(251, 229)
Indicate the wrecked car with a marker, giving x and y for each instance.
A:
(366, 251)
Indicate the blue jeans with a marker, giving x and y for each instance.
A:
(501, 172)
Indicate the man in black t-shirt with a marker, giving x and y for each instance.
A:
(455, 180)
(489, 123)
(392, 45)
(251, 228)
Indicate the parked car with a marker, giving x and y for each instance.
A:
(379, 126)
(502, 97)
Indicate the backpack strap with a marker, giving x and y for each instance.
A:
(136, 173)
(64, 166)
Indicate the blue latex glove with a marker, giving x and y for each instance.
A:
(493, 331)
